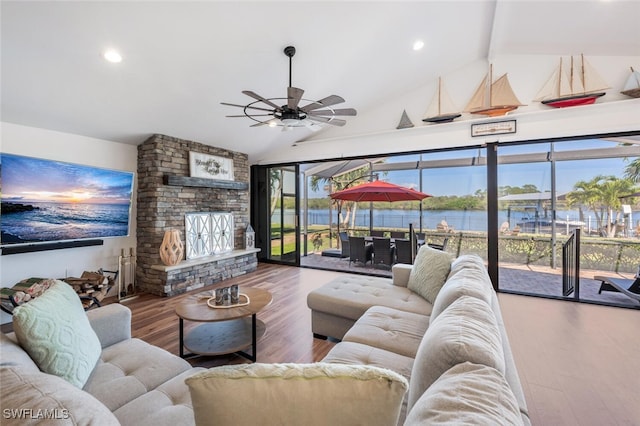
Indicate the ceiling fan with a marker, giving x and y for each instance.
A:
(291, 114)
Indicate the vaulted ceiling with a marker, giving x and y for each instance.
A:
(182, 59)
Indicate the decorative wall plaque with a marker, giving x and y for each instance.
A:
(494, 128)
(210, 166)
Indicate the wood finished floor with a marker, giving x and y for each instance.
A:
(579, 364)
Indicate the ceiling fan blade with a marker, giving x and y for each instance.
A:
(328, 101)
(246, 106)
(260, 123)
(261, 99)
(337, 122)
(294, 95)
(252, 115)
(329, 113)
(334, 121)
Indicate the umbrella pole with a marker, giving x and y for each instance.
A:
(412, 238)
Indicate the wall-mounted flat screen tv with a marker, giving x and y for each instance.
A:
(46, 201)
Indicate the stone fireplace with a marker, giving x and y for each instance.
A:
(166, 194)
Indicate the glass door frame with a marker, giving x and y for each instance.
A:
(285, 191)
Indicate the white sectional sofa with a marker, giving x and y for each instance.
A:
(453, 350)
(402, 359)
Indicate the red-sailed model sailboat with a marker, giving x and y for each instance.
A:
(582, 86)
(493, 99)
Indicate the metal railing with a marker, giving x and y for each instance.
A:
(571, 265)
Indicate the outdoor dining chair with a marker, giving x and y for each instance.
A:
(375, 233)
(442, 246)
(398, 234)
(383, 252)
(344, 244)
(359, 250)
(403, 251)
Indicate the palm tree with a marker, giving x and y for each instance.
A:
(632, 171)
(602, 195)
(339, 183)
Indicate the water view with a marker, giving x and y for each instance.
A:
(460, 220)
(65, 221)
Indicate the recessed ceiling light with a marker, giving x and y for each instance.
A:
(112, 55)
(418, 44)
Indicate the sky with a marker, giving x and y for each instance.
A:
(467, 180)
(26, 179)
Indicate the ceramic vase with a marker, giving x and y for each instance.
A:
(171, 249)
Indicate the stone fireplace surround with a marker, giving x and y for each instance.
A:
(164, 199)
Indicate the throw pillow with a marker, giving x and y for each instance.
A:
(466, 331)
(467, 394)
(55, 332)
(296, 394)
(430, 271)
(39, 398)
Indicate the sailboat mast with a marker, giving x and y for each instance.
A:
(440, 95)
(571, 75)
(584, 81)
(560, 78)
(489, 84)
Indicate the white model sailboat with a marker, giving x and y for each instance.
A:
(582, 86)
(493, 99)
(441, 109)
(632, 86)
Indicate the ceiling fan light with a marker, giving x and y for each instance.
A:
(113, 56)
(291, 122)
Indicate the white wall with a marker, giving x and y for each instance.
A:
(40, 143)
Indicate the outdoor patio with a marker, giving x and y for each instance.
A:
(533, 279)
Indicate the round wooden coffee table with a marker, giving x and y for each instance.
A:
(224, 330)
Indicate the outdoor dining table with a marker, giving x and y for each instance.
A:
(369, 239)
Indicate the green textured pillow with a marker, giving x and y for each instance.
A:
(297, 394)
(55, 332)
(429, 273)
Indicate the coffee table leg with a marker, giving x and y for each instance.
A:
(253, 356)
(254, 339)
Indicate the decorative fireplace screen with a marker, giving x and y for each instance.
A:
(208, 233)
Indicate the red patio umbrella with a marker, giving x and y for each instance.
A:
(379, 191)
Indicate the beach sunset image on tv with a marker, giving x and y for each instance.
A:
(45, 200)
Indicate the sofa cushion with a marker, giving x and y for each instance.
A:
(470, 282)
(167, 405)
(129, 369)
(467, 394)
(389, 329)
(55, 331)
(315, 394)
(357, 353)
(349, 296)
(467, 261)
(11, 353)
(31, 398)
(465, 331)
(430, 271)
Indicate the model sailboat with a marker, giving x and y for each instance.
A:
(581, 87)
(441, 109)
(493, 99)
(632, 86)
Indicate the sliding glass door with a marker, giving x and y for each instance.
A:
(284, 246)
